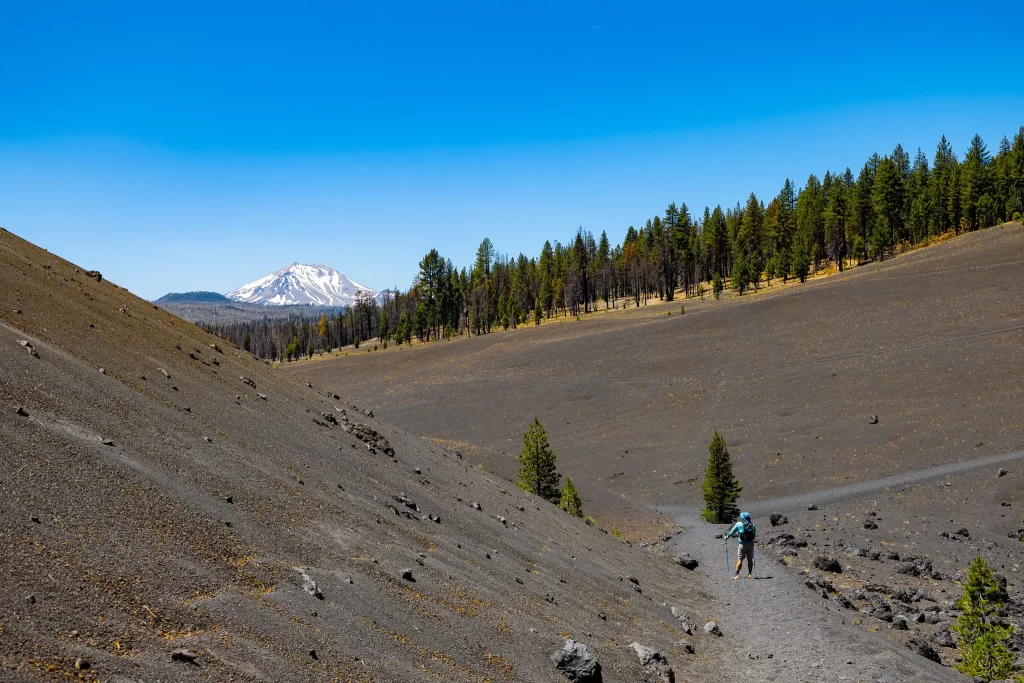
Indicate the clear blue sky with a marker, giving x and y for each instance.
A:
(179, 146)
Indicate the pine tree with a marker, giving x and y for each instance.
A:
(983, 638)
(571, 501)
(716, 285)
(800, 259)
(740, 274)
(537, 473)
(721, 489)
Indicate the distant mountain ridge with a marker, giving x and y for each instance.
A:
(302, 284)
(192, 298)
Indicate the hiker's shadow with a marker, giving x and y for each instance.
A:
(763, 578)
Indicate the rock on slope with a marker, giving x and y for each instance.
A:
(162, 492)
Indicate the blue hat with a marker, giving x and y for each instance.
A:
(745, 516)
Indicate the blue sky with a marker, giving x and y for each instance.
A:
(200, 146)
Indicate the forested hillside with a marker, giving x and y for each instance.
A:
(892, 203)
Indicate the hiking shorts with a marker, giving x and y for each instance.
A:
(746, 551)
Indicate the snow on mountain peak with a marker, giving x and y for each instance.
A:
(301, 284)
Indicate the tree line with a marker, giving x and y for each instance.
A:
(892, 203)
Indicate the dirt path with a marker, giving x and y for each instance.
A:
(787, 632)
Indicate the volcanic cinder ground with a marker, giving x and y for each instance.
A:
(932, 342)
(162, 491)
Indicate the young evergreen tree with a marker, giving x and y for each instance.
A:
(571, 501)
(983, 639)
(716, 285)
(537, 473)
(721, 489)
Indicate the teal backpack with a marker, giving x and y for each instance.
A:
(748, 533)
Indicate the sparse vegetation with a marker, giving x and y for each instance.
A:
(983, 638)
(721, 489)
(537, 471)
(716, 285)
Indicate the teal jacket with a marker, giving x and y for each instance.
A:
(738, 529)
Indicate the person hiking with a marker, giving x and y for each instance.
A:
(746, 532)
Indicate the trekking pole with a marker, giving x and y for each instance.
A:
(727, 567)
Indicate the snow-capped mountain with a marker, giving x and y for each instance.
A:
(303, 285)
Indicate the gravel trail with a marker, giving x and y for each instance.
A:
(784, 631)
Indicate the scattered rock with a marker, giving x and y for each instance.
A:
(95, 275)
(711, 628)
(870, 524)
(20, 410)
(908, 568)
(788, 541)
(872, 419)
(107, 442)
(1001, 472)
(654, 664)
(407, 575)
(778, 519)
(828, 563)
(577, 663)
(686, 562)
(103, 371)
(942, 636)
(899, 622)
(474, 505)
(230, 500)
(922, 648)
(183, 655)
(685, 646)
(309, 585)
(207, 439)
(261, 396)
(312, 654)
(812, 507)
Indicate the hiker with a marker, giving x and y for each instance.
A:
(746, 532)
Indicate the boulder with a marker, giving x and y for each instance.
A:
(309, 585)
(942, 636)
(711, 628)
(577, 663)
(921, 647)
(908, 568)
(686, 562)
(654, 664)
(778, 519)
(828, 563)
